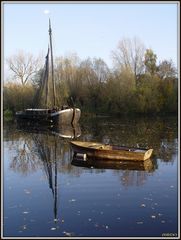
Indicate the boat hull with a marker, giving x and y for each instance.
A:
(102, 151)
(66, 116)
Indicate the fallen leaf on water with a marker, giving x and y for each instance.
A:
(25, 212)
(139, 222)
(53, 228)
(24, 227)
(27, 191)
(15, 206)
(67, 233)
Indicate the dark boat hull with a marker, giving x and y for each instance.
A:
(66, 116)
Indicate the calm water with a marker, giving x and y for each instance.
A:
(48, 195)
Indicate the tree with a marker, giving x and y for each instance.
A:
(166, 69)
(129, 55)
(150, 61)
(101, 69)
(23, 65)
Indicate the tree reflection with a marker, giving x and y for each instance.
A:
(132, 178)
(132, 172)
(25, 160)
(136, 132)
(36, 149)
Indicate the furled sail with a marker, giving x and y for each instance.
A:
(41, 96)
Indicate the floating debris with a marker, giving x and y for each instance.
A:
(153, 216)
(143, 205)
(171, 186)
(24, 227)
(63, 220)
(15, 206)
(149, 199)
(25, 212)
(67, 234)
(90, 219)
(139, 222)
(163, 221)
(107, 227)
(27, 191)
(53, 229)
(32, 220)
(72, 200)
(118, 218)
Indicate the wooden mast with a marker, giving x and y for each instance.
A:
(51, 50)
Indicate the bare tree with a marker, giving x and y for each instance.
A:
(166, 69)
(23, 65)
(129, 55)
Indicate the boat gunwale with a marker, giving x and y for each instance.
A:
(124, 148)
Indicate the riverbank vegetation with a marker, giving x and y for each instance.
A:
(136, 84)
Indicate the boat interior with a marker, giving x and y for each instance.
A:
(110, 147)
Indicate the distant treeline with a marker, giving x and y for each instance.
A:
(135, 85)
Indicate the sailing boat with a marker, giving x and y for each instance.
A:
(46, 97)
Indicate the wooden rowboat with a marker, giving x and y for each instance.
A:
(107, 151)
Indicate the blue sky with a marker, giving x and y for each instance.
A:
(90, 30)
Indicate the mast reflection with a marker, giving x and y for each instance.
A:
(46, 145)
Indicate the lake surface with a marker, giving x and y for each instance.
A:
(45, 194)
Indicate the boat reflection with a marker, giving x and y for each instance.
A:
(68, 131)
(63, 131)
(49, 156)
(47, 145)
(147, 165)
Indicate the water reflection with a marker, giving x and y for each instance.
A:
(130, 173)
(48, 156)
(157, 133)
(45, 148)
(103, 193)
(64, 131)
(148, 165)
